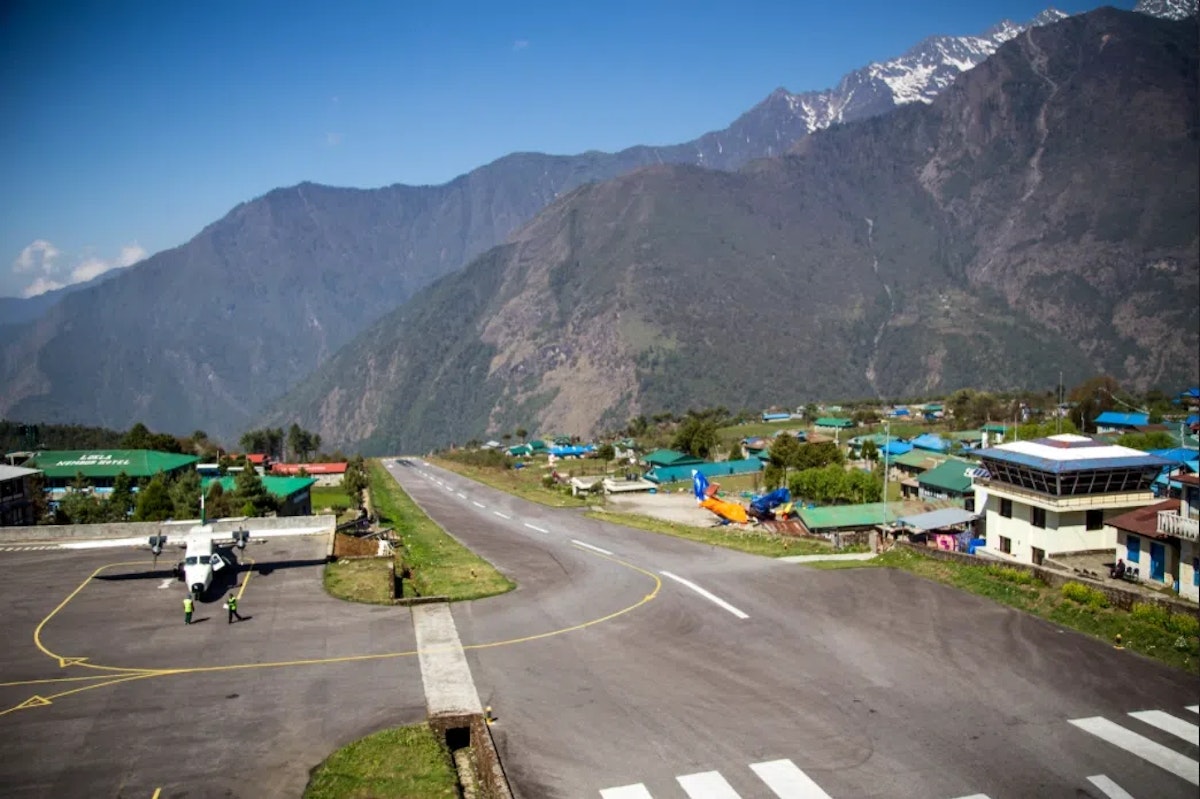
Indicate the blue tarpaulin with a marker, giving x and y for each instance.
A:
(929, 441)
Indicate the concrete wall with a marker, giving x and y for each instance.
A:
(1117, 596)
(1065, 531)
(1188, 574)
(97, 532)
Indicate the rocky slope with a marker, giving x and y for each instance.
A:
(1041, 215)
(205, 335)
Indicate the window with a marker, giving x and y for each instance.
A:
(1006, 545)
(1133, 549)
(1006, 508)
(1095, 519)
(1038, 517)
(1039, 556)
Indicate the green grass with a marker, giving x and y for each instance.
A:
(1171, 639)
(526, 483)
(329, 497)
(438, 564)
(753, 541)
(402, 763)
(368, 580)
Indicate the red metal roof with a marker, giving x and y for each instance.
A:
(311, 468)
(1187, 479)
(1144, 521)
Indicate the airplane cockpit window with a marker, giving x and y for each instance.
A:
(190, 560)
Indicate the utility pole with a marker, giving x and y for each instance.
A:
(887, 440)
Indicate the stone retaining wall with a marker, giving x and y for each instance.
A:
(1116, 595)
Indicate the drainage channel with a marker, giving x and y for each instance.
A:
(453, 706)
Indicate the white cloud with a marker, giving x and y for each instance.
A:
(40, 286)
(520, 44)
(38, 256)
(51, 271)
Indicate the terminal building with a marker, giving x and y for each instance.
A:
(16, 499)
(1055, 495)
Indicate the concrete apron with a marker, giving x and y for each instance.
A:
(452, 703)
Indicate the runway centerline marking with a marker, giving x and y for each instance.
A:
(478, 504)
(711, 597)
(543, 530)
(586, 545)
(501, 515)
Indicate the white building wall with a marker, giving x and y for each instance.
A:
(1188, 573)
(1065, 531)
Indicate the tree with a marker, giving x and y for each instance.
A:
(185, 495)
(606, 453)
(121, 501)
(78, 505)
(818, 455)
(870, 452)
(249, 491)
(1155, 439)
(138, 437)
(218, 504)
(355, 480)
(696, 436)
(784, 454)
(37, 497)
(1091, 398)
(154, 501)
(522, 433)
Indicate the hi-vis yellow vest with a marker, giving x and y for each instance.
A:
(187, 604)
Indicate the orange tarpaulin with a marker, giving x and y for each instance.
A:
(726, 510)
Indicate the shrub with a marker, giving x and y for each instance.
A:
(1085, 595)
(1150, 614)
(1011, 575)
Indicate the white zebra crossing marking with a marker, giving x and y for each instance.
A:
(626, 792)
(1143, 747)
(1193, 708)
(1110, 788)
(788, 781)
(1168, 723)
(707, 785)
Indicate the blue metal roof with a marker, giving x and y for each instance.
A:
(1126, 419)
(1074, 465)
(931, 442)
(1176, 454)
(1191, 420)
(893, 448)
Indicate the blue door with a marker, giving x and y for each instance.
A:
(1133, 548)
(1158, 561)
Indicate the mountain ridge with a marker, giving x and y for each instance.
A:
(971, 241)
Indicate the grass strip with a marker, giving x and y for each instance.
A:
(754, 541)
(329, 497)
(433, 562)
(401, 763)
(367, 580)
(1173, 639)
(525, 483)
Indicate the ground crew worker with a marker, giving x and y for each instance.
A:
(188, 606)
(231, 603)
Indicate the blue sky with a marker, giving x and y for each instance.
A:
(126, 127)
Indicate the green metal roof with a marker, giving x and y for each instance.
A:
(108, 462)
(834, 421)
(674, 474)
(996, 427)
(670, 457)
(281, 487)
(917, 459)
(950, 476)
(965, 435)
(869, 514)
(880, 439)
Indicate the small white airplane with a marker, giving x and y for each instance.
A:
(203, 556)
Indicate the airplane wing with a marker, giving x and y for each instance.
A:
(177, 535)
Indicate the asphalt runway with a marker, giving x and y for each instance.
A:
(110, 694)
(682, 670)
